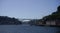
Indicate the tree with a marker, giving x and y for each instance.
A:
(54, 15)
(7, 20)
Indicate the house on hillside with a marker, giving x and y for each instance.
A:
(40, 22)
(53, 22)
(58, 22)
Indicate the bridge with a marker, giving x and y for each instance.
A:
(24, 20)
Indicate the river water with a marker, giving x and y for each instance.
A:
(25, 28)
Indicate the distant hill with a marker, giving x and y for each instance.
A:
(54, 15)
(4, 20)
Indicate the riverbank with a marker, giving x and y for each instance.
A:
(47, 25)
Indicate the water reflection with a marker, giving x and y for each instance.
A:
(27, 29)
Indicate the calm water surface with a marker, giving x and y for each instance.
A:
(25, 28)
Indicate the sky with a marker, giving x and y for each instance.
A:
(29, 9)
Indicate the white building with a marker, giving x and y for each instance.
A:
(51, 22)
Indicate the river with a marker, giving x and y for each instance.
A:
(26, 28)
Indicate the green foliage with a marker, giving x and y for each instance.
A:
(4, 20)
(53, 16)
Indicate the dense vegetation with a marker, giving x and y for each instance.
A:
(4, 20)
(54, 15)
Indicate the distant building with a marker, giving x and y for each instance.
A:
(40, 22)
(58, 22)
(53, 22)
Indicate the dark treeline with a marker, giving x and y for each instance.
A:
(55, 16)
(5, 20)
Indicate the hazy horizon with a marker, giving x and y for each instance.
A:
(29, 9)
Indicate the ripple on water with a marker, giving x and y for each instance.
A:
(26, 29)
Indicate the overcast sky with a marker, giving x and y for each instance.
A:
(28, 8)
